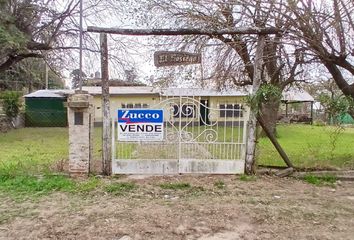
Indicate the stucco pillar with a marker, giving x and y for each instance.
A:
(80, 121)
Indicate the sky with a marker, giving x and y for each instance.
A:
(129, 49)
(138, 50)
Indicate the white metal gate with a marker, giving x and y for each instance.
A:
(198, 138)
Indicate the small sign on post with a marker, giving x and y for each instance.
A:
(140, 125)
(168, 58)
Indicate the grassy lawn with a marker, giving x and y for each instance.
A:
(43, 150)
(32, 150)
(30, 156)
(310, 147)
(36, 150)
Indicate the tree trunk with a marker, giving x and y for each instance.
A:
(275, 142)
(250, 161)
(269, 113)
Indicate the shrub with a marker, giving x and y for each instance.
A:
(11, 103)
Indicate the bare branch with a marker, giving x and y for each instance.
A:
(12, 59)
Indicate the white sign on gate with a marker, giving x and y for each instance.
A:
(140, 125)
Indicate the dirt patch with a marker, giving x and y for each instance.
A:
(264, 208)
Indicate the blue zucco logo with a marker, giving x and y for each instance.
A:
(140, 116)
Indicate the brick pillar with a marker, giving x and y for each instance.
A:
(80, 120)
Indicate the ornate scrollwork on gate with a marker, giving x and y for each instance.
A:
(208, 135)
(193, 130)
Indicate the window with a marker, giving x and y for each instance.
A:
(188, 111)
(230, 110)
(136, 105)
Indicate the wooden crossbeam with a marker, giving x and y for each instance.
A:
(181, 31)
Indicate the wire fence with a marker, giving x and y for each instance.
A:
(34, 119)
(48, 118)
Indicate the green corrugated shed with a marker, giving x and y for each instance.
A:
(346, 119)
(45, 110)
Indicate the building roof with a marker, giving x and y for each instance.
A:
(191, 92)
(53, 93)
(122, 90)
(297, 95)
(292, 95)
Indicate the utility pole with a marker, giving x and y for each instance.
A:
(80, 57)
(106, 131)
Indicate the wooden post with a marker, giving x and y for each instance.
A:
(286, 109)
(311, 113)
(106, 131)
(252, 122)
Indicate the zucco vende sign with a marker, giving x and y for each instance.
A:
(140, 125)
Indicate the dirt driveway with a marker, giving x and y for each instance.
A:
(213, 207)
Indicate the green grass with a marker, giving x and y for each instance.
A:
(36, 185)
(320, 180)
(36, 150)
(31, 151)
(247, 178)
(309, 147)
(120, 188)
(219, 184)
(89, 185)
(175, 186)
(183, 187)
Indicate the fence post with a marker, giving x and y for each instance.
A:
(113, 140)
(80, 117)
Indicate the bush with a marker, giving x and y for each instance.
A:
(11, 103)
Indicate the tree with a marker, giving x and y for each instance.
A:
(324, 30)
(75, 78)
(49, 29)
(334, 103)
(30, 27)
(29, 75)
(229, 58)
(131, 75)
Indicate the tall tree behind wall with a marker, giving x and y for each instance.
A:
(29, 75)
(50, 29)
(228, 59)
(325, 31)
